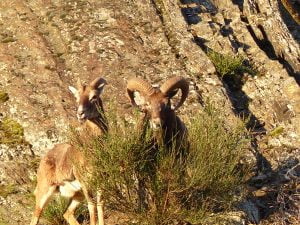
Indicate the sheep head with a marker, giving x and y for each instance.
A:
(88, 98)
(156, 101)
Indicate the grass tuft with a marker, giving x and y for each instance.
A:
(231, 68)
(6, 190)
(53, 213)
(11, 132)
(227, 65)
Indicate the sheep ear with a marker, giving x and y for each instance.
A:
(74, 91)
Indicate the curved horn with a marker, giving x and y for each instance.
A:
(140, 85)
(97, 82)
(169, 87)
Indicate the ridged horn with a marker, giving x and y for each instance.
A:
(174, 83)
(140, 85)
(96, 83)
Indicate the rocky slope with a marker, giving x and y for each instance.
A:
(45, 46)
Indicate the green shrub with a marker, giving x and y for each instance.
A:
(227, 65)
(115, 159)
(155, 185)
(231, 68)
(213, 165)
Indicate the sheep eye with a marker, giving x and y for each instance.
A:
(147, 105)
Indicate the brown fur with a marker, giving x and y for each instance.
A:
(57, 165)
(156, 105)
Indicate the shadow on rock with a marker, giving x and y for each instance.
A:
(275, 195)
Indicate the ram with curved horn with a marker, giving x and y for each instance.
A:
(58, 169)
(156, 103)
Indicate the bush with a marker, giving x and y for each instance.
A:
(227, 65)
(214, 169)
(155, 185)
(231, 68)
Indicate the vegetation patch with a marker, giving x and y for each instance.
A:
(3, 96)
(11, 132)
(6, 190)
(3, 219)
(276, 132)
(155, 185)
(53, 213)
(231, 68)
(227, 65)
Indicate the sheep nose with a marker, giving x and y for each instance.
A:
(156, 123)
(81, 112)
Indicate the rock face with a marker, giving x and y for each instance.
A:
(45, 46)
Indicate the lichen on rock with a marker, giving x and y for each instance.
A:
(11, 132)
(3, 96)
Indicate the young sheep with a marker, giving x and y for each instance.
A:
(58, 169)
(156, 103)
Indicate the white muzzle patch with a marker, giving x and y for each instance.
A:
(155, 124)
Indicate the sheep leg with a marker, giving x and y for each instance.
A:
(42, 197)
(69, 214)
(100, 204)
(91, 205)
